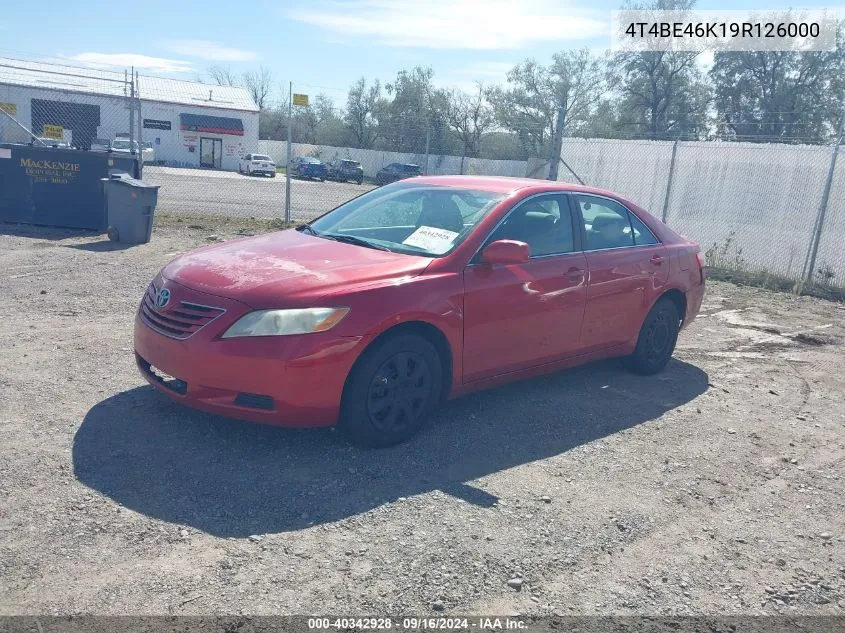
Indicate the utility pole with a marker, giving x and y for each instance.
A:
(427, 141)
(132, 112)
(287, 164)
(557, 144)
(140, 127)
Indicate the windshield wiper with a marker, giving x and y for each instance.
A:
(307, 228)
(351, 239)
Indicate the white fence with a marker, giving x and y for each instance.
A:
(372, 160)
(756, 203)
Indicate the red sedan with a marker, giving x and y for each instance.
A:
(414, 293)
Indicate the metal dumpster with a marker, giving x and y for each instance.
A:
(130, 207)
(56, 186)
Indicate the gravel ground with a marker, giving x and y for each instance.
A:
(207, 192)
(713, 488)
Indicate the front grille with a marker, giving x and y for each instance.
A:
(180, 321)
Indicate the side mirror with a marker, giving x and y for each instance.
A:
(506, 252)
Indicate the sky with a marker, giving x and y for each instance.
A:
(322, 46)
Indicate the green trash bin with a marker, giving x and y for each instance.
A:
(130, 207)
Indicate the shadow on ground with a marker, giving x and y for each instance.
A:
(103, 246)
(18, 229)
(229, 478)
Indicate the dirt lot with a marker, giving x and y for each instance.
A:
(715, 487)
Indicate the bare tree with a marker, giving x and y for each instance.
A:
(571, 86)
(222, 76)
(469, 117)
(259, 84)
(362, 110)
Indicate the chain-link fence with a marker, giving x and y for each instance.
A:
(752, 206)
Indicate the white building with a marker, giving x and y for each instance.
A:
(188, 124)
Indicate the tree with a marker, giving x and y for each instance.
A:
(662, 94)
(411, 121)
(469, 117)
(779, 95)
(571, 86)
(259, 84)
(362, 110)
(223, 76)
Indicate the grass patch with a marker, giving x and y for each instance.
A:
(212, 223)
(768, 281)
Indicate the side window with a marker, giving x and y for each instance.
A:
(606, 223)
(544, 223)
(248, 157)
(642, 234)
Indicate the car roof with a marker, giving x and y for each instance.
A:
(507, 184)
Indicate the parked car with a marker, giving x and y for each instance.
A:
(396, 171)
(52, 142)
(257, 164)
(308, 167)
(414, 293)
(125, 146)
(344, 170)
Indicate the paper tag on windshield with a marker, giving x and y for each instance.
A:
(431, 239)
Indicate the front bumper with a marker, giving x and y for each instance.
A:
(294, 381)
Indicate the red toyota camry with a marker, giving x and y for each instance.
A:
(413, 293)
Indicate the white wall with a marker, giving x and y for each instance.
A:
(373, 160)
(174, 144)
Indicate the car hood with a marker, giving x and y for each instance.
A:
(269, 270)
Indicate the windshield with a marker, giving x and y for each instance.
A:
(351, 163)
(123, 144)
(309, 160)
(416, 219)
(260, 157)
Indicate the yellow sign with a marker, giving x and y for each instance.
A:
(53, 131)
(9, 108)
(300, 100)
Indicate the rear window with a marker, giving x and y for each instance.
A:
(351, 163)
(260, 157)
(310, 160)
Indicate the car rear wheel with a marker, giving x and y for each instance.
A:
(391, 391)
(657, 339)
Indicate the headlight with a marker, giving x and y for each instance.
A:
(285, 322)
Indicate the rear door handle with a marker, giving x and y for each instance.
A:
(656, 260)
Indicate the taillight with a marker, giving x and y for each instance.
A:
(702, 263)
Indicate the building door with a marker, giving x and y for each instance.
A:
(211, 152)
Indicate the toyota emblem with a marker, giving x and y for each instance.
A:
(163, 298)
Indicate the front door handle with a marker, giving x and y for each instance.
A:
(656, 259)
(575, 273)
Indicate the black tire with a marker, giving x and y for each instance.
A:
(359, 181)
(391, 391)
(656, 340)
(113, 234)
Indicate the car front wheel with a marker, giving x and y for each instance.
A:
(657, 339)
(391, 391)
